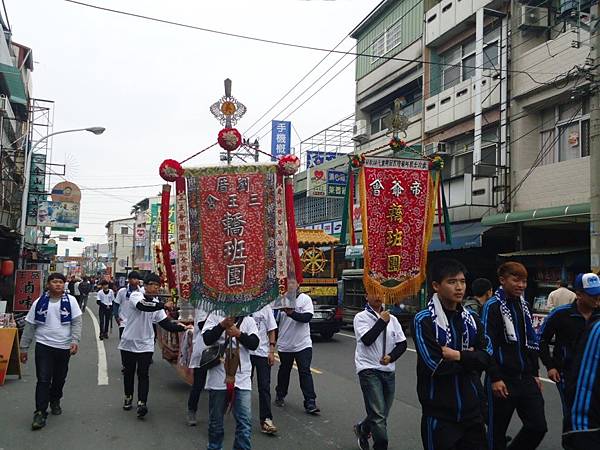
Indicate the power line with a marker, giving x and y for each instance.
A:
(274, 42)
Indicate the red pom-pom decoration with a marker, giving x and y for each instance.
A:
(397, 143)
(289, 164)
(170, 170)
(357, 160)
(229, 139)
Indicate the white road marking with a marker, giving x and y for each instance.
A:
(312, 369)
(351, 336)
(102, 365)
(413, 350)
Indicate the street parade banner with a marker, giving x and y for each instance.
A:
(397, 199)
(236, 238)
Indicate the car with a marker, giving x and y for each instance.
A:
(327, 318)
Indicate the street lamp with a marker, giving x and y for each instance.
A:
(27, 173)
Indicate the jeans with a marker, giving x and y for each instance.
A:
(303, 359)
(378, 389)
(217, 402)
(526, 398)
(197, 387)
(105, 315)
(51, 367)
(263, 374)
(83, 302)
(141, 361)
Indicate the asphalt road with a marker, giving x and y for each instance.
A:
(93, 419)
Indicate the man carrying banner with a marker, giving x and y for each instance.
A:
(55, 321)
(380, 341)
(294, 344)
(452, 351)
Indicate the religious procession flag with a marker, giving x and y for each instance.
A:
(237, 237)
(397, 198)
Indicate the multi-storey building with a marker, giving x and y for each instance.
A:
(120, 237)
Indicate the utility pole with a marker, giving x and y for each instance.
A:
(595, 146)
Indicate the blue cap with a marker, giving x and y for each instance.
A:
(588, 283)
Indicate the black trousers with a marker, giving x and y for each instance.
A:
(524, 397)
(587, 440)
(260, 364)
(141, 362)
(105, 316)
(303, 359)
(51, 367)
(197, 388)
(442, 435)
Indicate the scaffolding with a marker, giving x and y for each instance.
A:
(333, 141)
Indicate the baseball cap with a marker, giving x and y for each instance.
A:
(588, 283)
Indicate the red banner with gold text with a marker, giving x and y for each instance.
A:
(397, 200)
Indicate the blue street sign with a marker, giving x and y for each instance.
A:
(316, 158)
(336, 177)
(280, 138)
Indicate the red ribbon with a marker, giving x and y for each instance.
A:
(350, 211)
(291, 226)
(164, 235)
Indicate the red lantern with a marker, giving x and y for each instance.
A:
(229, 139)
(170, 170)
(7, 268)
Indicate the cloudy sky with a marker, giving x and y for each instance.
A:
(151, 84)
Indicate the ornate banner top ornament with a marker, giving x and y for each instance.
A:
(228, 110)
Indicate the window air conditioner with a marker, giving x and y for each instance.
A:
(360, 131)
(435, 148)
(533, 18)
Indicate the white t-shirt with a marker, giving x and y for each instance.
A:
(215, 379)
(294, 336)
(53, 333)
(125, 304)
(368, 356)
(265, 322)
(199, 316)
(138, 335)
(106, 298)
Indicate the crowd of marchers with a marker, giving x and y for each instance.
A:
(477, 358)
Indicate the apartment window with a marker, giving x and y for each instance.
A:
(386, 41)
(565, 132)
(378, 117)
(124, 230)
(458, 63)
(461, 150)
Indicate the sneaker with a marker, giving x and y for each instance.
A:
(127, 402)
(362, 438)
(39, 420)
(122, 369)
(101, 337)
(267, 427)
(191, 418)
(55, 408)
(279, 402)
(312, 408)
(142, 409)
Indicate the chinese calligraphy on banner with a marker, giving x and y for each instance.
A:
(28, 287)
(397, 203)
(280, 138)
(37, 187)
(233, 228)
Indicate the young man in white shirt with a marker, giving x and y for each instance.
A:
(243, 334)
(137, 341)
(121, 304)
(55, 321)
(380, 341)
(105, 299)
(262, 359)
(294, 343)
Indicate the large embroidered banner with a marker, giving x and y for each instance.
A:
(397, 198)
(233, 231)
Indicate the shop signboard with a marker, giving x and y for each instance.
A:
(37, 187)
(28, 288)
(61, 216)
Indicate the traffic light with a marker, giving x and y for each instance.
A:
(77, 239)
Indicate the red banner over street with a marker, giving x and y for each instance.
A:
(397, 199)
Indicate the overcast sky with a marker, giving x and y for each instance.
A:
(151, 84)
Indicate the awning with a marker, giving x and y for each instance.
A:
(544, 251)
(464, 235)
(579, 209)
(314, 237)
(14, 82)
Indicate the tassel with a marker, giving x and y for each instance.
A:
(164, 235)
(231, 365)
(291, 226)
